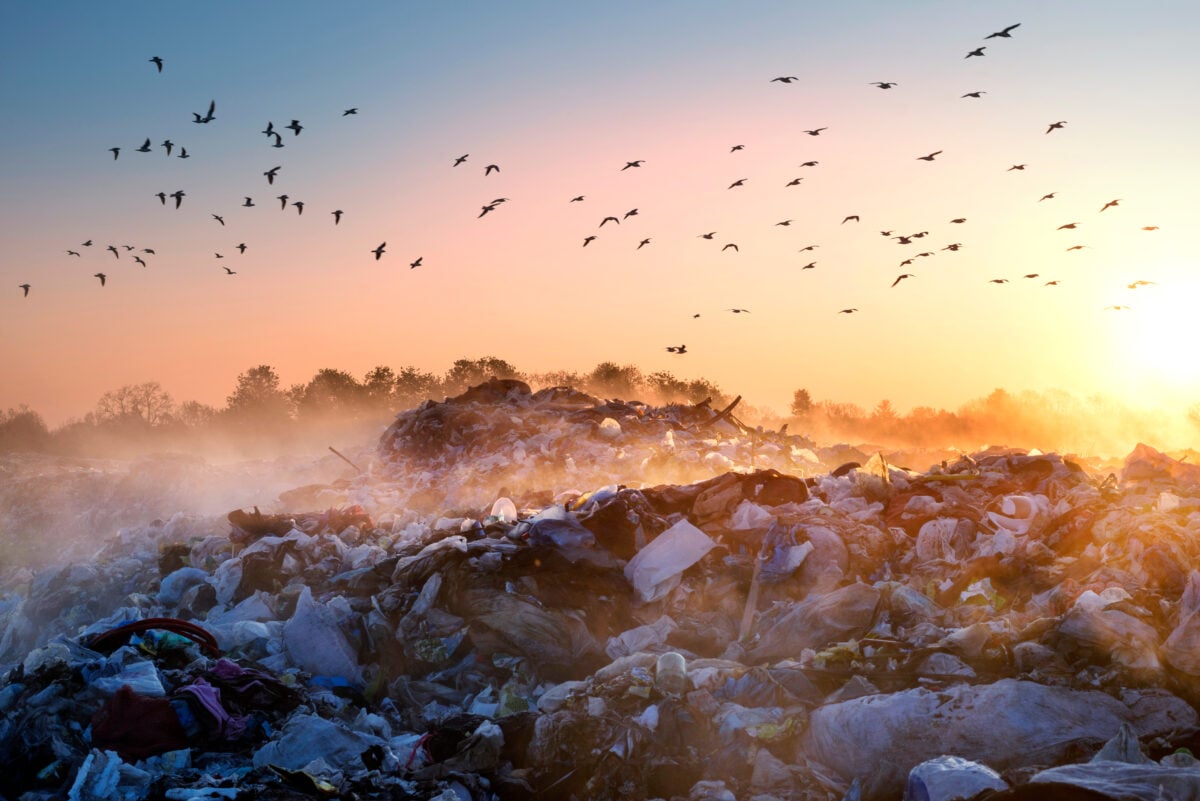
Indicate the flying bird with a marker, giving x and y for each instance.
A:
(299, 204)
(349, 111)
(677, 349)
(148, 250)
(974, 94)
(127, 247)
(489, 169)
(295, 127)
(486, 209)
(73, 253)
(26, 288)
(738, 182)
(1076, 247)
(906, 262)
(817, 131)
(784, 79)
(379, 250)
(115, 252)
(709, 235)
(337, 216)
(162, 197)
(630, 213)
(643, 243)
(1015, 167)
(183, 154)
(178, 195)
(460, 159)
(1051, 283)
(101, 276)
(283, 199)
(901, 277)
(278, 139)
(959, 220)
(1030, 275)
(145, 148)
(884, 84)
(808, 247)
(415, 264)
(954, 247)
(794, 182)
(576, 199)
(86, 244)
(168, 144)
(1004, 34)
(812, 265)
(929, 157)
(606, 219)
(1110, 204)
(587, 240)
(1136, 284)
(271, 173)
(138, 259)
(116, 151)
(736, 148)
(1047, 196)
(739, 311)
(847, 311)
(1149, 227)
(227, 270)
(1056, 125)
(241, 248)
(849, 218)
(629, 164)
(157, 61)
(998, 281)
(976, 52)
(219, 218)
(730, 245)
(1068, 226)
(785, 222)
(208, 117)
(810, 164)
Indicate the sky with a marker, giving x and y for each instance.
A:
(560, 96)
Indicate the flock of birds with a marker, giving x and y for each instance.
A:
(295, 127)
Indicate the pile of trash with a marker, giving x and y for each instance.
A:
(1005, 626)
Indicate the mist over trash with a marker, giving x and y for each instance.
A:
(516, 593)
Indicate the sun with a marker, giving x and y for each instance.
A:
(1156, 336)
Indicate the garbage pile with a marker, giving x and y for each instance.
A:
(1004, 625)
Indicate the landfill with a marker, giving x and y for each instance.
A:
(549, 595)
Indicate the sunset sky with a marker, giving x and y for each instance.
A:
(561, 95)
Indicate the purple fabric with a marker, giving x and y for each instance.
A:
(208, 698)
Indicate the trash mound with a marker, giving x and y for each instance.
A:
(1001, 626)
(501, 438)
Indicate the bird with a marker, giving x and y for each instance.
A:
(785, 222)
(817, 131)
(976, 52)
(299, 204)
(1030, 275)
(677, 349)
(901, 277)
(1015, 167)
(1056, 125)
(241, 247)
(138, 259)
(168, 144)
(157, 61)
(694, 316)
(849, 218)
(379, 250)
(183, 154)
(1051, 283)
(278, 140)
(1149, 227)
(349, 111)
(1076, 247)
(127, 247)
(953, 247)
(576, 199)
(738, 182)
(959, 220)
(86, 244)
(115, 252)
(486, 209)
(489, 169)
(643, 243)
(998, 281)
(709, 235)
(178, 195)
(116, 151)
(929, 157)
(1136, 284)
(730, 245)
(103, 277)
(975, 94)
(460, 159)
(227, 270)
(903, 240)
(283, 199)
(295, 127)
(26, 288)
(810, 164)
(270, 129)
(739, 311)
(162, 197)
(337, 216)
(794, 182)
(906, 262)
(736, 148)
(784, 79)
(928, 253)
(271, 173)
(812, 265)
(629, 164)
(1006, 33)
(148, 250)
(219, 218)
(1116, 308)
(847, 311)
(587, 240)
(248, 203)
(1068, 226)
(145, 148)
(1047, 196)
(884, 84)
(415, 264)
(808, 247)
(73, 253)
(208, 117)
(606, 219)
(1110, 204)
(630, 213)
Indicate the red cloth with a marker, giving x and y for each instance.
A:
(136, 726)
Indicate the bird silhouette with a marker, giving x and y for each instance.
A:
(460, 159)
(808, 247)
(145, 148)
(959, 220)
(337, 216)
(489, 169)
(283, 199)
(241, 247)
(975, 94)
(102, 276)
(162, 197)
(694, 316)
(1056, 125)
(794, 182)
(1076, 247)
(903, 240)
(116, 151)
(278, 139)
(576, 199)
(138, 259)
(901, 277)
(149, 250)
(178, 195)
(730, 245)
(736, 148)
(812, 265)
(1015, 167)
(295, 127)
(1030, 275)
(930, 157)
(1051, 283)
(299, 204)
(86, 244)
(606, 219)
(630, 213)
(1004, 34)
(906, 262)
(998, 281)
(976, 52)
(847, 311)
(219, 218)
(415, 264)
(817, 131)
(1136, 284)
(810, 164)
(26, 288)
(739, 311)
(74, 253)
(116, 253)
(127, 247)
(709, 235)
(629, 164)
(738, 182)
(158, 62)
(349, 111)
(247, 203)
(785, 222)
(1110, 204)
(271, 173)
(849, 218)
(489, 207)
(168, 144)
(379, 250)
(1068, 226)
(587, 240)
(643, 243)
(884, 84)
(183, 154)
(227, 270)
(208, 117)
(1149, 227)
(677, 348)
(953, 248)
(1047, 196)
(784, 79)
